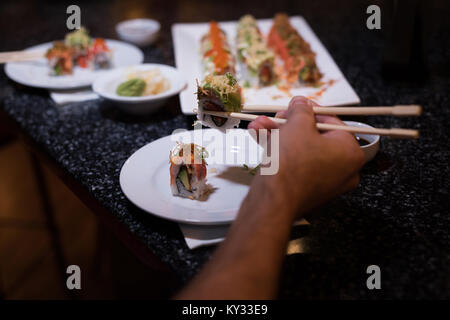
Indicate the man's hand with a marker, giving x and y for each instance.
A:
(314, 166)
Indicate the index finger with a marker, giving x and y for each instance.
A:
(263, 122)
(331, 120)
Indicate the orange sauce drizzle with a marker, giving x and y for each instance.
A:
(320, 92)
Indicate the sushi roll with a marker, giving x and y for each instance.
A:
(78, 49)
(101, 55)
(299, 59)
(60, 59)
(256, 58)
(215, 50)
(219, 93)
(188, 171)
(80, 42)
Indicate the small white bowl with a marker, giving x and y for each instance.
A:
(371, 149)
(106, 85)
(141, 32)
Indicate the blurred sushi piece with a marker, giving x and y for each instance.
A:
(188, 171)
(78, 49)
(299, 59)
(101, 54)
(79, 41)
(60, 59)
(219, 93)
(256, 58)
(217, 58)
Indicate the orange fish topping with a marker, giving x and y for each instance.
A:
(220, 56)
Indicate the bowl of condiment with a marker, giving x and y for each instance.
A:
(141, 32)
(140, 89)
(369, 143)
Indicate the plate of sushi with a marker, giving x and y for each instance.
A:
(272, 60)
(195, 177)
(74, 62)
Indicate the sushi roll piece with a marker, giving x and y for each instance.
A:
(60, 59)
(78, 49)
(188, 171)
(80, 42)
(256, 59)
(101, 55)
(219, 93)
(217, 58)
(299, 59)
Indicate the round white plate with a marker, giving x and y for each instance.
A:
(106, 86)
(37, 73)
(144, 177)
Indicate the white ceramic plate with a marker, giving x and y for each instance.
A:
(106, 86)
(186, 38)
(37, 73)
(144, 177)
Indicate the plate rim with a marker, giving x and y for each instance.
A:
(174, 30)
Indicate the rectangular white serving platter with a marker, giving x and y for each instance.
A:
(186, 38)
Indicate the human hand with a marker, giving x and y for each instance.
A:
(313, 166)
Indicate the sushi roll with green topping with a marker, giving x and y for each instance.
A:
(256, 59)
(219, 93)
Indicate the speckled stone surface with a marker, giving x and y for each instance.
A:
(398, 218)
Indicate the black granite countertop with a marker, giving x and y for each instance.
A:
(398, 218)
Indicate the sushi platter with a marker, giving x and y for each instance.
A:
(319, 77)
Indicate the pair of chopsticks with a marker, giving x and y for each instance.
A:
(19, 56)
(411, 110)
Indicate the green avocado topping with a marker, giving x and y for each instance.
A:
(184, 178)
(131, 88)
(223, 87)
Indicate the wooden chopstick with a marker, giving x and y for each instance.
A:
(393, 132)
(399, 110)
(18, 56)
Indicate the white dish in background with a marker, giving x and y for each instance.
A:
(141, 32)
(371, 149)
(186, 39)
(144, 179)
(106, 85)
(37, 73)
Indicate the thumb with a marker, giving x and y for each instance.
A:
(301, 113)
